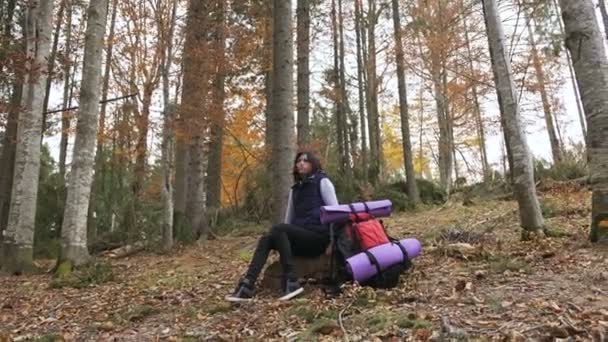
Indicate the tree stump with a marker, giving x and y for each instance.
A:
(305, 268)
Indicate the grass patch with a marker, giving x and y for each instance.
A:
(219, 308)
(365, 300)
(501, 263)
(47, 338)
(320, 326)
(549, 208)
(303, 312)
(245, 255)
(139, 312)
(413, 323)
(378, 322)
(83, 276)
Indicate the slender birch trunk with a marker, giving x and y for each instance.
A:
(303, 81)
(167, 138)
(74, 228)
(584, 40)
(541, 79)
(530, 216)
(19, 234)
(361, 91)
(65, 116)
(412, 188)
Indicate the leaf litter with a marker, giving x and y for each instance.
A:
(475, 280)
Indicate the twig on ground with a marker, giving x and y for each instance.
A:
(340, 319)
(536, 327)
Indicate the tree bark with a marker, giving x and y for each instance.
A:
(349, 135)
(412, 188)
(530, 215)
(194, 104)
(49, 81)
(445, 150)
(584, 40)
(65, 116)
(100, 169)
(361, 91)
(214, 165)
(602, 4)
(167, 138)
(268, 48)
(283, 147)
(337, 91)
(303, 50)
(479, 124)
(9, 147)
(74, 228)
(19, 234)
(7, 33)
(577, 95)
(540, 78)
(375, 145)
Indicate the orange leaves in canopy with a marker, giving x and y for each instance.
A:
(242, 148)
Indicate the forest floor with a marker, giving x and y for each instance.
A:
(475, 280)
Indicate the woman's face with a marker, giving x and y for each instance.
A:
(303, 166)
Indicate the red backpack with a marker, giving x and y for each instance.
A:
(368, 231)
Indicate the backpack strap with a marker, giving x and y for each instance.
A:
(406, 259)
(373, 260)
(352, 210)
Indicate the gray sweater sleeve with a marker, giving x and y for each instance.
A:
(328, 192)
(289, 209)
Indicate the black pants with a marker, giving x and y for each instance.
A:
(289, 240)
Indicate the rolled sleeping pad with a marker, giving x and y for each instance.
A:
(387, 255)
(340, 213)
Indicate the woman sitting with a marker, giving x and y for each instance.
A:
(301, 234)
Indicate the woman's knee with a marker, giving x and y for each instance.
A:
(278, 229)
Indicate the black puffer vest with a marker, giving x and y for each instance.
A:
(307, 200)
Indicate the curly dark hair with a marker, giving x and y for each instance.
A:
(312, 158)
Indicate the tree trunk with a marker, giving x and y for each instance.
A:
(361, 91)
(303, 47)
(283, 147)
(7, 34)
(445, 151)
(49, 81)
(577, 95)
(479, 124)
(141, 147)
(268, 48)
(181, 184)
(540, 78)
(100, 170)
(9, 147)
(65, 116)
(530, 215)
(584, 40)
(19, 234)
(337, 91)
(214, 165)
(194, 104)
(166, 188)
(375, 145)
(412, 189)
(74, 228)
(349, 142)
(602, 4)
